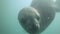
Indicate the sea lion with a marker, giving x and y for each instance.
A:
(36, 18)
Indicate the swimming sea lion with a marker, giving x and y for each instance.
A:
(36, 18)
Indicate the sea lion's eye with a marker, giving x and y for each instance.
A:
(38, 19)
(23, 20)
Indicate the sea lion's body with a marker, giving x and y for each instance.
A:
(28, 17)
(46, 10)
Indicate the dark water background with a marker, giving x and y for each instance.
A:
(8, 18)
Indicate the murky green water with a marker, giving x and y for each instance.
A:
(8, 18)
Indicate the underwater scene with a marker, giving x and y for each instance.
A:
(29, 16)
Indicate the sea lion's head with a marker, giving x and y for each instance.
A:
(29, 18)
